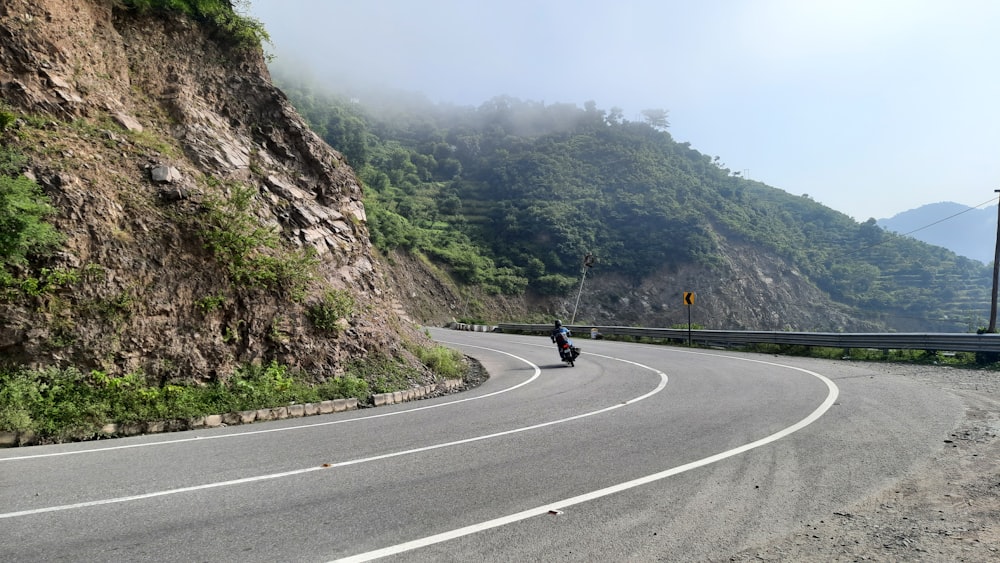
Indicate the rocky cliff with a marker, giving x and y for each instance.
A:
(749, 290)
(143, 130)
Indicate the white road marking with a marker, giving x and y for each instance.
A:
(535, 376)
(562, 504)
(659, 387)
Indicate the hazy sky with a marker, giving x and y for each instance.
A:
(871, 107)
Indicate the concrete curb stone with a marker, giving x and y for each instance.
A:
(14, 439)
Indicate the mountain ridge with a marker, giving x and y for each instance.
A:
(966, 231)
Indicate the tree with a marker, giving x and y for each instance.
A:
(656, 118)
(616, 115)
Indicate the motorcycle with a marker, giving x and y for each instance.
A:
(568, 353)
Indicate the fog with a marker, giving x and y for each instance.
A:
(869, 107)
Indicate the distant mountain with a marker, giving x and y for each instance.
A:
(967, 232)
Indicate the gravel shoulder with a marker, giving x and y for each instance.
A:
(946, 509)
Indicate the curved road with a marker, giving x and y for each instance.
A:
(639, 452)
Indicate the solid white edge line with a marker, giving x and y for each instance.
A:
(535, 376)
(559, 505)
(659, 387)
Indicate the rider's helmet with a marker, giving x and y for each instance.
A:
(558, 323)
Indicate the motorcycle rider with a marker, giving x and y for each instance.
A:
(560, 335)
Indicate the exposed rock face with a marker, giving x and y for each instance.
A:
(749, 290)
(143, 118)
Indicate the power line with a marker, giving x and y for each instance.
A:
(883, 275)
(991, 200)
(951, 216)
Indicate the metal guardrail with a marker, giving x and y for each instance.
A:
(932, 341)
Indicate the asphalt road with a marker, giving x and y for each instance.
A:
(638, 453)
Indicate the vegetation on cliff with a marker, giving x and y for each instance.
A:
(55, 403)
(175, 241)
(24, 231)
(223, 15)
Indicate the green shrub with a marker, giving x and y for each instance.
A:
(48, 280)
(334, 306)
(252, 253)
(344, 387)
(19, 395)
(49, 402)
(210, 303)
(23, 231)
(444, 362)
(12, 162)
(554, 284)
(242, 30)
(256, 386)
(466, 262)
(7, 118)
(384, 374)
(506, 281)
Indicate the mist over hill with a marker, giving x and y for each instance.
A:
(505, 199)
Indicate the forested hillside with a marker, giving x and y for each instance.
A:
(511, 195)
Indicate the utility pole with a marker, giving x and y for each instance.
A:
(588, 262)
(996, 273)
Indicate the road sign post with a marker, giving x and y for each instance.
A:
(688, 302)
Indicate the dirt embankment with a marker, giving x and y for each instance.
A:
(946, 510)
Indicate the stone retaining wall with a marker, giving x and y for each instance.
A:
(473, 328)
(447, 386)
